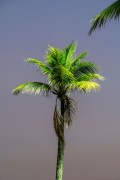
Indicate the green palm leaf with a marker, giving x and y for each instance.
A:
(111, 12)
(89, 77)
(81, 56)
(86, 86)
(69, 52)
(54, 56)
(40, 65)
(61, 75)
(78, 58)
(84, 67)
(32, 88)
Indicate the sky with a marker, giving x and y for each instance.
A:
(28, 144)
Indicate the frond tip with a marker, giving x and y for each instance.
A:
(32, 88)
(40, 65)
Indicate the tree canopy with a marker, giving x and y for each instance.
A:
(65, 73)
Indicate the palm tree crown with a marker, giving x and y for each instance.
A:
(65, 72)
(111, 12)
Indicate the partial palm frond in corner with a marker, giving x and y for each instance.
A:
(111, 12)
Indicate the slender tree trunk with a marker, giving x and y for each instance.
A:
(60, 160)
(60, 153)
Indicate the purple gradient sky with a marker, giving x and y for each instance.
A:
(28, 144)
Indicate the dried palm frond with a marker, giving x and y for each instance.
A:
(70, 110)
(58, 123)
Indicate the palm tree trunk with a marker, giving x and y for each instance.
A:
(60, 160)
(60, 153)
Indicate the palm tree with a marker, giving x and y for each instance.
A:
(111, 12)
(65, 73)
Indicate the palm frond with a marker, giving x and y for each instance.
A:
(89, 77)
(86, 86)
(40, 65)
(70, 110)
(111, 12)
(78, 58)
(84, 67)
(61, 75)
(58, 123)
(32, 88)
(69, 52)
(54, 56)
(81, 56)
